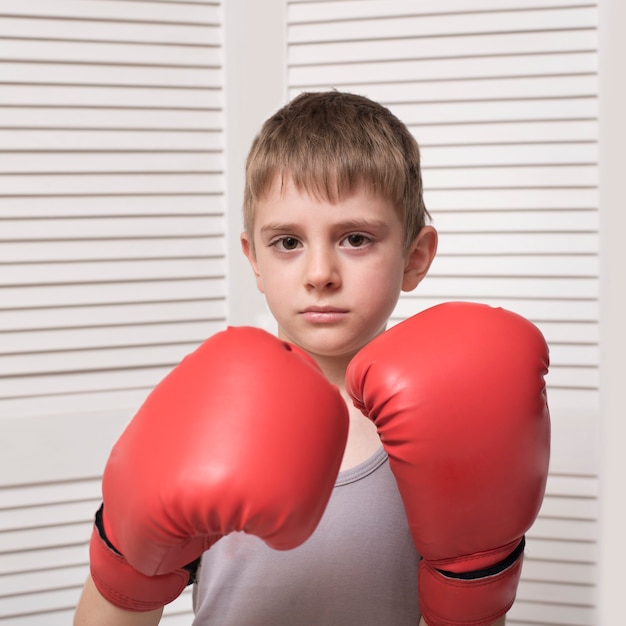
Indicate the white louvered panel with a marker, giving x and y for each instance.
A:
(44, 547)
(502, 97)
(112, 257)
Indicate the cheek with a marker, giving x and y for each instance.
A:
(379, 289)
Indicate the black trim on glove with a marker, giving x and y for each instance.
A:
(491, 570)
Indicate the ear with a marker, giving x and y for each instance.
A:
(420, 256)
(248, 249)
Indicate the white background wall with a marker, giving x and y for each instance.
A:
(52, 449)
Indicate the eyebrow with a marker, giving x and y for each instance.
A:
(355, 224)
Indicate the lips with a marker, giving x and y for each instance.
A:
(323, 314)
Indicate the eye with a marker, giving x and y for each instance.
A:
(356, 240)
(286, 243)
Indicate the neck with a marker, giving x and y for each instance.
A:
(363, 439)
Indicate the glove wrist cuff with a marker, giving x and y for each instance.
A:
(122, 585)
(476, 598)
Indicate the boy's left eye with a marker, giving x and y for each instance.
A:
(356, 240)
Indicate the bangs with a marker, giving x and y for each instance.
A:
(326, 167)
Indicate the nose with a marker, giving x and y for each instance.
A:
(321, 269)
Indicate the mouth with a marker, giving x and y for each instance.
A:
(323, 314)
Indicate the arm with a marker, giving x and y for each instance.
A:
(94, 610)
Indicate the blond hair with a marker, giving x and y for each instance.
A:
(329, 143)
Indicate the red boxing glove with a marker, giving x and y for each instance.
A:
(458, 396)
(246, 434)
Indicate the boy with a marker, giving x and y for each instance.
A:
(335, 229)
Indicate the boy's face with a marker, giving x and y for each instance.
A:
(332, 273)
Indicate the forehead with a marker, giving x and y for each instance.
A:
(284, 200)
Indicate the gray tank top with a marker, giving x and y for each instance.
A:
(359, 568)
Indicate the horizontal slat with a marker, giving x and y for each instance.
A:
(44, 537)
(524, 613)
(116, 140)
(493, 287)
(441, 69)
(36, 163)
(104, 117)
(503, 133)
(315, 10)
(533, 309)
(91, 317)
(574, 573)
(441, 25)
(46, 558)
(104, 337)
(39, 495)
(579, 508)
(150, 12)
(68, 95)
(538, 549)
(113, 293)
(563, 485)
(518, 243)
(103, 184)
(573, 204)
(511, 220)
(17, 584)
(63, 395)
(514, 154)
(520, 179)
(573, 266)
(476, 112)
(573, 356)
(114, 75)
(574, 332)
(573, 377)
(192, 34)
(556, 593)
(118, 248)
(32, 609)
(110, 227)
(50, 515)
(16, 366)
(581, 40)
(171, 55)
